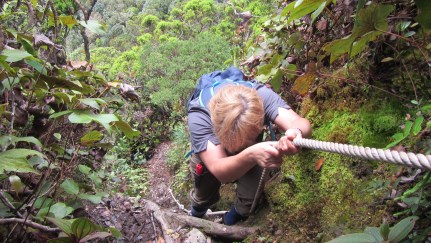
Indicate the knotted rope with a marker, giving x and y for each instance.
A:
(401, 158)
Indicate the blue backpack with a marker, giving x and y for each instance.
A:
(207, 82)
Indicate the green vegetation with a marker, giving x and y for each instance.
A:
(359, 71)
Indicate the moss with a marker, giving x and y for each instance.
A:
(319, 205)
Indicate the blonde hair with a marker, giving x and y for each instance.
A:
(237, 115)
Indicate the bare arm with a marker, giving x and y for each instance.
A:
(286, 120)
(228, 168)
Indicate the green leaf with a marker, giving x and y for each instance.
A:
(20, 153)
(16, 160)
(318, 11)
(9, 83)
(70, 186)
(68, 21)
(407, 128)
(36, 64)
(95, 178)
(304, 8)
(60, 210)
(372, 18)
(30, 139)
(93, 26)
(81, 116)
(82, 227)
(84, 169)
(62, 83)
(264, 69)
(96, 199)
(402, 229)
(43, 202)
(126, 129)
(277, 80)
(417, 126)
(64, 224)
(384, 231)
(91, 138)
(354, 238)
(90, 102)
(61, 113)
(375, 232)
(15, 55)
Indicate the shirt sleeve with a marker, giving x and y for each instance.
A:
(271, 102)
(201, 131)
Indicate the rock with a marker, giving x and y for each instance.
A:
(195, 236)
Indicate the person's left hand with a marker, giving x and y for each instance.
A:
(285, 144)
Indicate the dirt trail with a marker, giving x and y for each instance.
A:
(137, 223)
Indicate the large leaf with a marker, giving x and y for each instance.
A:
(82, 227)
(64, 224)
(4, 140)
(354, 238)
(60, 210)
(126, 129)
(91, 138)
(15, 55)
(402, 229)
(68, 21)
(372, 18)
(370, 23)
(16, 160)
(306, 7)
(93, 26)
(57, 82)
(70, 186)
(375, 232)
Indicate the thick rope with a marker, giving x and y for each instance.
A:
(401, 158)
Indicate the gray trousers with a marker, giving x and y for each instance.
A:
(205, 191)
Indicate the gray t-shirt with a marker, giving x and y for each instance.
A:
(199, 117)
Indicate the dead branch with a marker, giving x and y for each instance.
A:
(30, 223)
(211, 228)
(160, 216)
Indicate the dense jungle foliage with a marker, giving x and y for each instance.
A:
(90, 88)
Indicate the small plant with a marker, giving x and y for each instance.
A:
(382, 234)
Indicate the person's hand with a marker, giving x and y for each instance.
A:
(285, 144)
(266, 154)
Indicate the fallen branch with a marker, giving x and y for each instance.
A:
(29, 223)
(160, 216)
(211, 228)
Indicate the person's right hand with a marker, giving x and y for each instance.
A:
(266, 154)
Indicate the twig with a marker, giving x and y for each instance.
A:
(9, 205)
(154, 226)
(411, 80)
(30, 223)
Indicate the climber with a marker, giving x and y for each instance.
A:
(226, 120)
